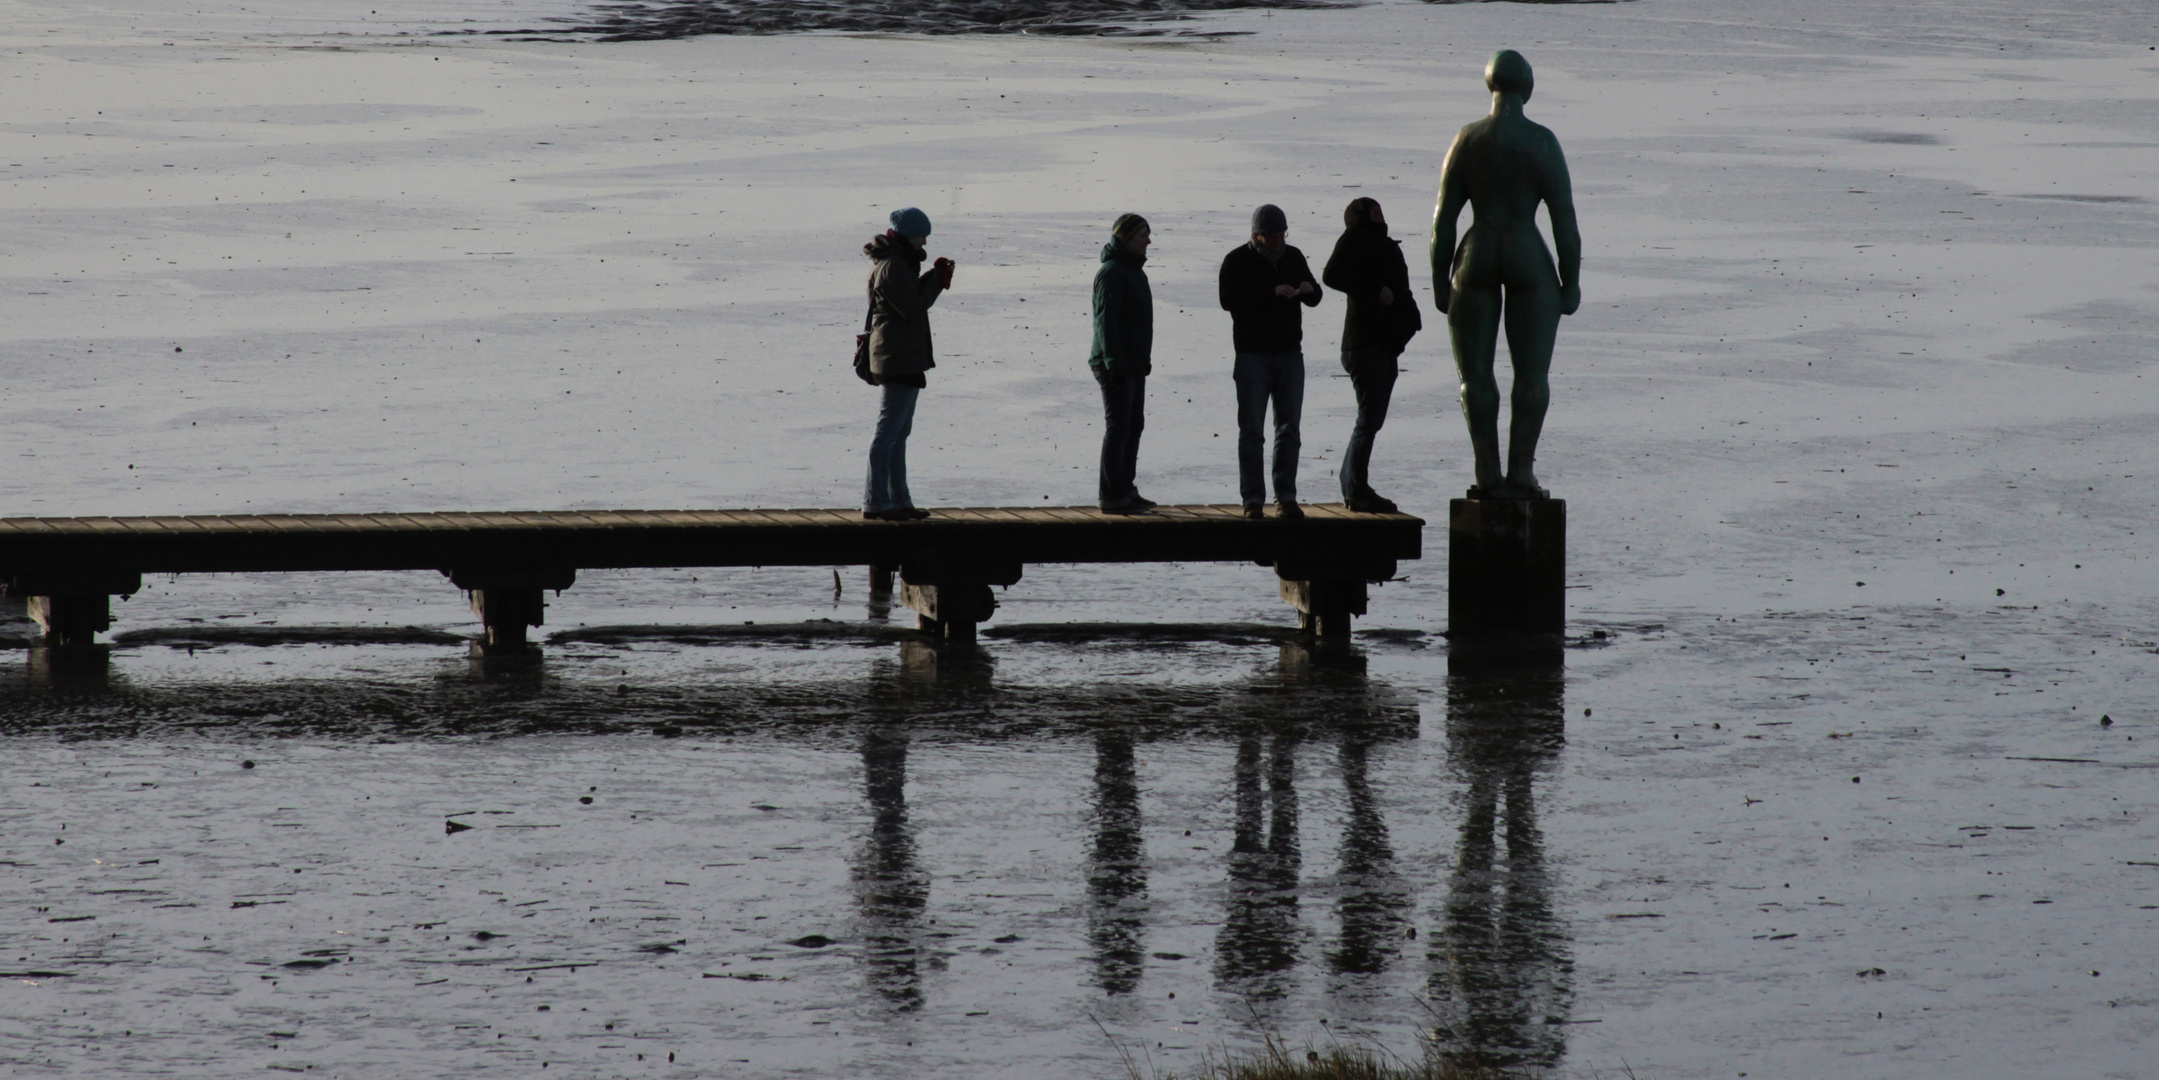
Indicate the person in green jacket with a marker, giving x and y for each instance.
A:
(1123, 358)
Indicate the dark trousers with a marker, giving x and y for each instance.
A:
(1371, 375)
(1124, 415)
(1264, 377)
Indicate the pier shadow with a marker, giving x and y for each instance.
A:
(1501, 971)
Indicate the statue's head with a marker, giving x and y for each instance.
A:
(1508, 73)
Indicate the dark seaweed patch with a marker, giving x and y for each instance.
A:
(640, 20)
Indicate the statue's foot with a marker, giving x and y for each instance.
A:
(1521, 485)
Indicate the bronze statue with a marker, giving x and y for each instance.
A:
(1503, 166)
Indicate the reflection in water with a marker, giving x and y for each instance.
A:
(1117, 869)
(1374, 900)
(1502, 978)
(890, 887)
(69, 668)
(1258, 943)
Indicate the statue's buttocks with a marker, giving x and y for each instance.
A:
(1502, 168)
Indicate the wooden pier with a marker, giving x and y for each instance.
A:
(70, 568)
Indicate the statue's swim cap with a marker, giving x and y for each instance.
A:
(1508, 73)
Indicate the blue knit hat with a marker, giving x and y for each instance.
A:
(910, 222)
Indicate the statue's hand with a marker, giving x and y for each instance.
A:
(1441, 295)
(1570, 299)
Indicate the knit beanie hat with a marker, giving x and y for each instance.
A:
(1269, 219)
(1126, 226)
(910, 222)
(1359, 210)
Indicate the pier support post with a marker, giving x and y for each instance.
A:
(1328, 593)
(509, 600)
(1324, 607)
(72, 608)
(1507, 575)
(881, 580)
(950, 599)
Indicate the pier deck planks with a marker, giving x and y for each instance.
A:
(594, 539)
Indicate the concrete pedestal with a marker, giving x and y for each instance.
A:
(1506, 575)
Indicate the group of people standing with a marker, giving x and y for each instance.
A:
(1265, 285)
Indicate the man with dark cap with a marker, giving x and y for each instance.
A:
(1367, 267)
(1123, 358)
(900, 354)
(1262, 283)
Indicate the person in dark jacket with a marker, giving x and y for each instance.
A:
(1122, 359)
(1368, 269)
(900, 295)
(1262, 284)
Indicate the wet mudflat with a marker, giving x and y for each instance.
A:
(828, 849)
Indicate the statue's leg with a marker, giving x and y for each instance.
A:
(1473, 328)
(1532, 326)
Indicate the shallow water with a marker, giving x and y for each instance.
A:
(824, 848)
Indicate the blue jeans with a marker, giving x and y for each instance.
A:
(1124, 415)
(887, 489)
(1371, 374)
(1260, 377)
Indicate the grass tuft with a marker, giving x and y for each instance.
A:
(1277, 1060)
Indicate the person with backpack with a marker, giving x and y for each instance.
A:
(1367, 267)
(896, 354)
(1122, 359)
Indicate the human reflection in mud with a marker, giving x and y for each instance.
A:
(1502, 977)
(1117, 869)
(1258, 944)
(891, 887)
(1373, 907)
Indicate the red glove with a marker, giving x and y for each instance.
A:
(944, 272)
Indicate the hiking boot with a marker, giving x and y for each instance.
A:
(1289, 511)
(1253, 512)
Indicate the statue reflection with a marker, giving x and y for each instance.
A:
(1117, 869)
(891, 888)
(1257, 946)
(1502, 978)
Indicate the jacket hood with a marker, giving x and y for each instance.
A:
(1115, 251)
(888, 246)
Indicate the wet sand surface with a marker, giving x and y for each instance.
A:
(1855, 429)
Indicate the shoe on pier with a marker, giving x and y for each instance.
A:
(1254, 512)
(1370, 502)
(1289, 511)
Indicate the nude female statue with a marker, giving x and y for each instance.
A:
(1503, 166)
